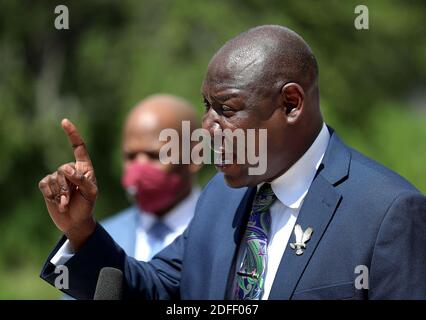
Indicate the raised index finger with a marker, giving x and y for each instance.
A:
(80, 151)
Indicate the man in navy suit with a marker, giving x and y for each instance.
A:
(323, 221)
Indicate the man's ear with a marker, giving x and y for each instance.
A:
(293, 97)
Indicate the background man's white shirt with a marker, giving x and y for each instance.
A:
(176, 220)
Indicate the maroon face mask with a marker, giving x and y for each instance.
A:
(153, 189)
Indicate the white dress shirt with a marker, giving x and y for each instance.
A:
(176, 220)
(290, 189)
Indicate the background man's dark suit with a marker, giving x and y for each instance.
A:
(361, 213)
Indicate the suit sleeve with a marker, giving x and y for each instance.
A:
(398, 266)
(157, 279)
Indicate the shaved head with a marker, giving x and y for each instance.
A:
(141, 133)
(267, 55)
(158, 112)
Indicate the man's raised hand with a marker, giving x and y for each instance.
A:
(70, 192)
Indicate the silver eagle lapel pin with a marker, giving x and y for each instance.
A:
(301, 238)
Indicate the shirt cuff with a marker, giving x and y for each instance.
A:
(63, 254)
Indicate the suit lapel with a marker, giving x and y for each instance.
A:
(232, 226)
(317, 210)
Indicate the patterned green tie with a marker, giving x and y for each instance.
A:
(251, 276)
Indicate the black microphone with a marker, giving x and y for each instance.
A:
(109, 285)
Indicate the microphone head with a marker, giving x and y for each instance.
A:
(109, 285)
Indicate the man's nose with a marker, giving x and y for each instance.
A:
(211, 122)
(142, 158)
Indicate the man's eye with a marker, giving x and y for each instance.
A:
(130, 156)
(153, 155)
(227, 111)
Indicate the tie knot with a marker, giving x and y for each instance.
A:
(159, 230)
(264, 198)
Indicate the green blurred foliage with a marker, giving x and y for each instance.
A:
(117, 52)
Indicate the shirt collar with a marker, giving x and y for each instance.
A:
(292, 186)
(176, 219)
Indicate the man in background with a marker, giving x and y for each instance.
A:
(164, 194)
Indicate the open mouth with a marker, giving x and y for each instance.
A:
(222, 158)
(224, 161)
(224, 155)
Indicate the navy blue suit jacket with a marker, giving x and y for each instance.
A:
(362, 215)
